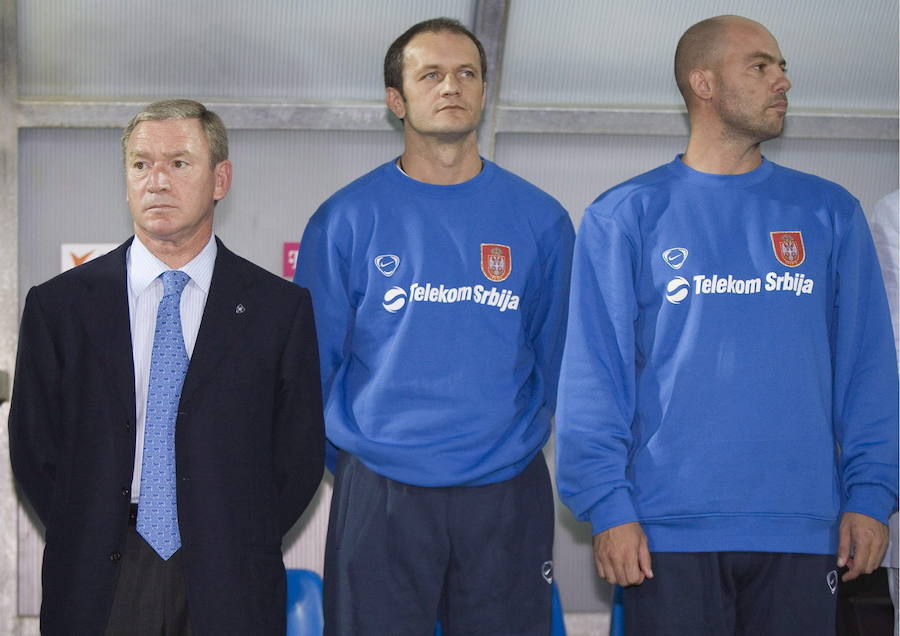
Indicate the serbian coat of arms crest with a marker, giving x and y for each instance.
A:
(788, 248)
(496, 261)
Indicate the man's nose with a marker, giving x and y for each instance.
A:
(159, 180)
(450, 85)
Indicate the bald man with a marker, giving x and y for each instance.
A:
(727, 416)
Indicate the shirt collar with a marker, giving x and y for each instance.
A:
(144, 267)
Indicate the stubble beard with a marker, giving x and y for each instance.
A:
(739, 123)
(449, 133)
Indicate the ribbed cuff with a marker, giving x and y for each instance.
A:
(613, 510)
(871, 500)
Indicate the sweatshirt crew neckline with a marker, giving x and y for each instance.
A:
(711, 180)
(464, 189)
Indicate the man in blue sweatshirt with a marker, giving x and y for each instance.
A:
(440, 287)
(728, 394)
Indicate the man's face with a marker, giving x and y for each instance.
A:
(442, 84)
(750, 84)
(171, 186)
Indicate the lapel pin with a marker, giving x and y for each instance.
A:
(239, 309)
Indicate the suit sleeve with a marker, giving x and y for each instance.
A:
(865, 377)
(597, 380)
(34, 425)
(549, 320)
(298, 425)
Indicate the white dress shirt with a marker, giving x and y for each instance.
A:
(885, 222)
(145, 290)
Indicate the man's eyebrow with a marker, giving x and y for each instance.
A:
(184, 152)
(767, 57)
(140, 152)
(436, 65)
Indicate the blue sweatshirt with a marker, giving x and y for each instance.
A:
(729, 378)
(440, 313)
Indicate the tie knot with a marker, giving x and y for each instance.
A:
(174, 281)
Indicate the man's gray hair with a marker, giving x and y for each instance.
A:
(216, 135)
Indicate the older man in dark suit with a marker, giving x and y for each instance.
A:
(166, 421)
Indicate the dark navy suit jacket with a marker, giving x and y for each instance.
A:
(249, 441)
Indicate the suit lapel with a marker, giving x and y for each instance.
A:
(223, 320)
(103, 311)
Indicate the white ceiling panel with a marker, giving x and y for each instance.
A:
(270, 50)
(842, 55)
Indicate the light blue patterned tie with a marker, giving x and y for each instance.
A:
(157, 512)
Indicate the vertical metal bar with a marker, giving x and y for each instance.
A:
(490, 28)
(9, 300)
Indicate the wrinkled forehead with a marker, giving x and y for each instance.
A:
(440, 49)
(170, 136)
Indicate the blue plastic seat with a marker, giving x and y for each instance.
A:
(557, 624)
(304, 603)
(617, 614)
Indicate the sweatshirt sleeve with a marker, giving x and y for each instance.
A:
(597, 380)
(549, 320)
(865, 377)
(323, 270)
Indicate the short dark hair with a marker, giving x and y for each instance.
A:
(213, 128)
(393, 60)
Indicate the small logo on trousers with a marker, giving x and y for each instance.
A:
(547, 571)
(832, 579)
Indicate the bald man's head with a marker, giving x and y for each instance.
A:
(701, 47)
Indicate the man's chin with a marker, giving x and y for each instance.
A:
(449, 129)
(775, 131)
(159, 231)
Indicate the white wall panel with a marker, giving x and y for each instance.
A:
(577, 168)
(868, 169)
(841, 55)
(281, 177)
(317, 50)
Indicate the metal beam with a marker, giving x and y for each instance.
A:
(490, 29)
(818, 125)
(501, 119)
(9, 308)
(248, 116)
(591, 121)
(674, 122)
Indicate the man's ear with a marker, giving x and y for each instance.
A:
(223, 179)
(702, 83)
(395, 102)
